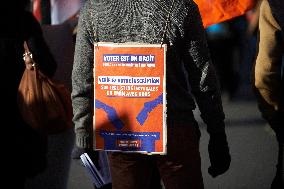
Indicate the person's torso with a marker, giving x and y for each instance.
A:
(144, 21)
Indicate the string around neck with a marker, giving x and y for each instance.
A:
(167, 23)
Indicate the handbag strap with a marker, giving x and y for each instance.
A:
(28, 53)
(27, 50)
(26, 47)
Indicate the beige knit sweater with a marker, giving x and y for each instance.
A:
(268, 82)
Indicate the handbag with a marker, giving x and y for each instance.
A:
(44, 104)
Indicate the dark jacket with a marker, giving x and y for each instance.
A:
(190, 75)
(277, 7)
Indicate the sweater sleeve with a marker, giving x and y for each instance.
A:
(268, 62)
(202, 77)
(82, 80)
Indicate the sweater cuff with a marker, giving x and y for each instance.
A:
(83, 141)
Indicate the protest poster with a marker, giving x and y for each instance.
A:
(130, 97)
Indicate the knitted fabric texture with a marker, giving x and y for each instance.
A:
(189, 70)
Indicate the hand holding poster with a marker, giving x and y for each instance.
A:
(130, 97)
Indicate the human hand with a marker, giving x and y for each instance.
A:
(77, 152)
(219, 154)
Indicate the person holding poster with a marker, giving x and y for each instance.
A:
(268, 76)
(138, 70)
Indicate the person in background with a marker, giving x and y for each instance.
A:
(268, 75)
(24, 148)
(190, 76)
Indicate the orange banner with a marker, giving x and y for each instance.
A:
(130, 94)
(216, 11)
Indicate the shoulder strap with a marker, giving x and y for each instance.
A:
(167, 23)
(27, 50)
